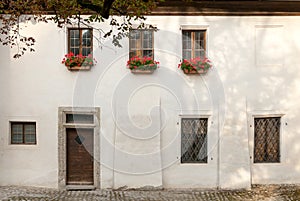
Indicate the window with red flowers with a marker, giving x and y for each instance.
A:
(193, 44)
(141, 43)
(80, 41)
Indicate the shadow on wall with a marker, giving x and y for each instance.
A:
(253, 85)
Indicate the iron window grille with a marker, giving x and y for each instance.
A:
(23, 132)
(194, 140)
(267, 140)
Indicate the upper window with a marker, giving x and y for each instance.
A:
(193, 43)
(80, 41)
(141, 43)
(80, 118)
(267, 140)
(194, 140)
(23, 132)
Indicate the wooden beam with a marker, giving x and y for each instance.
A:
(256, 7)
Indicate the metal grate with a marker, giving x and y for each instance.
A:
(267, 140)
(194, 140)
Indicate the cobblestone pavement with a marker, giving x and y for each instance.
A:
(258, 192)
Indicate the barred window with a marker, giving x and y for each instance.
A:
(193, 43)
(194, 140)
(267, 140)
(80, 41)
(23, 133)
(141, 43)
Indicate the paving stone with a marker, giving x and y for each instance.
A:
(258, 192)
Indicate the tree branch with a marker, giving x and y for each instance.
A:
(104, 10)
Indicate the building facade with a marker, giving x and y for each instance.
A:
(107, 127)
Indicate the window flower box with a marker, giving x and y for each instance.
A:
(195, 65)
(78, 62)
(145, 65)
(195, 72)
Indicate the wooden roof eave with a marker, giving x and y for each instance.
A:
(241, 8)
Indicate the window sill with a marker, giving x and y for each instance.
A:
(77, 68)
(137, 71)
(194, 72)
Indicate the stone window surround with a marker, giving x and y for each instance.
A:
(203, 114)
(264, 114)
(62, 125)
(23, 123)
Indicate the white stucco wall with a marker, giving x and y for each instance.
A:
(255, 73)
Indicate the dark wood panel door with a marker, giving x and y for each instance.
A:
(80, 152)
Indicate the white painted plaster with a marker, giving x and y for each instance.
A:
(36, 85)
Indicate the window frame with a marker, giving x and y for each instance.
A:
(80, 39)
(23, 130)
(63, 125)
(141, 43)
(193, 31)
(207, 117)
(261, 114)
(266, 134)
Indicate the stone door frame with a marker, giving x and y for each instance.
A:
(62, 139)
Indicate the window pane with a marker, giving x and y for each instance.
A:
(199, 39)
(132, 54)
(80, 118)
(147, 44)
(147, 53)
(141, 43)
(77, 43)
(193, 44)
(86, 34)
(86, 38)
(147, 39)
(86, 51)
(135, 35)
(187, 54)
(198, 45)
(200, 53)
(133, 44)
(17, 129)
(74, 33)
(75, 50)
(23, 133)
(267, 140)
(86, 42)
(186, 40)
(29, 129)
(17, 138)
(29, 139)
(194, 140)
(74, 39)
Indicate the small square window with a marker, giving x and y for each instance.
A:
(141, 43)
(267, 140)
(193, 44)
(23, 132)
(80, 41)
(194, 140)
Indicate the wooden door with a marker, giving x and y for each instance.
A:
(80, 152)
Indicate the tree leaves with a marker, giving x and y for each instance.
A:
(13, 13)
